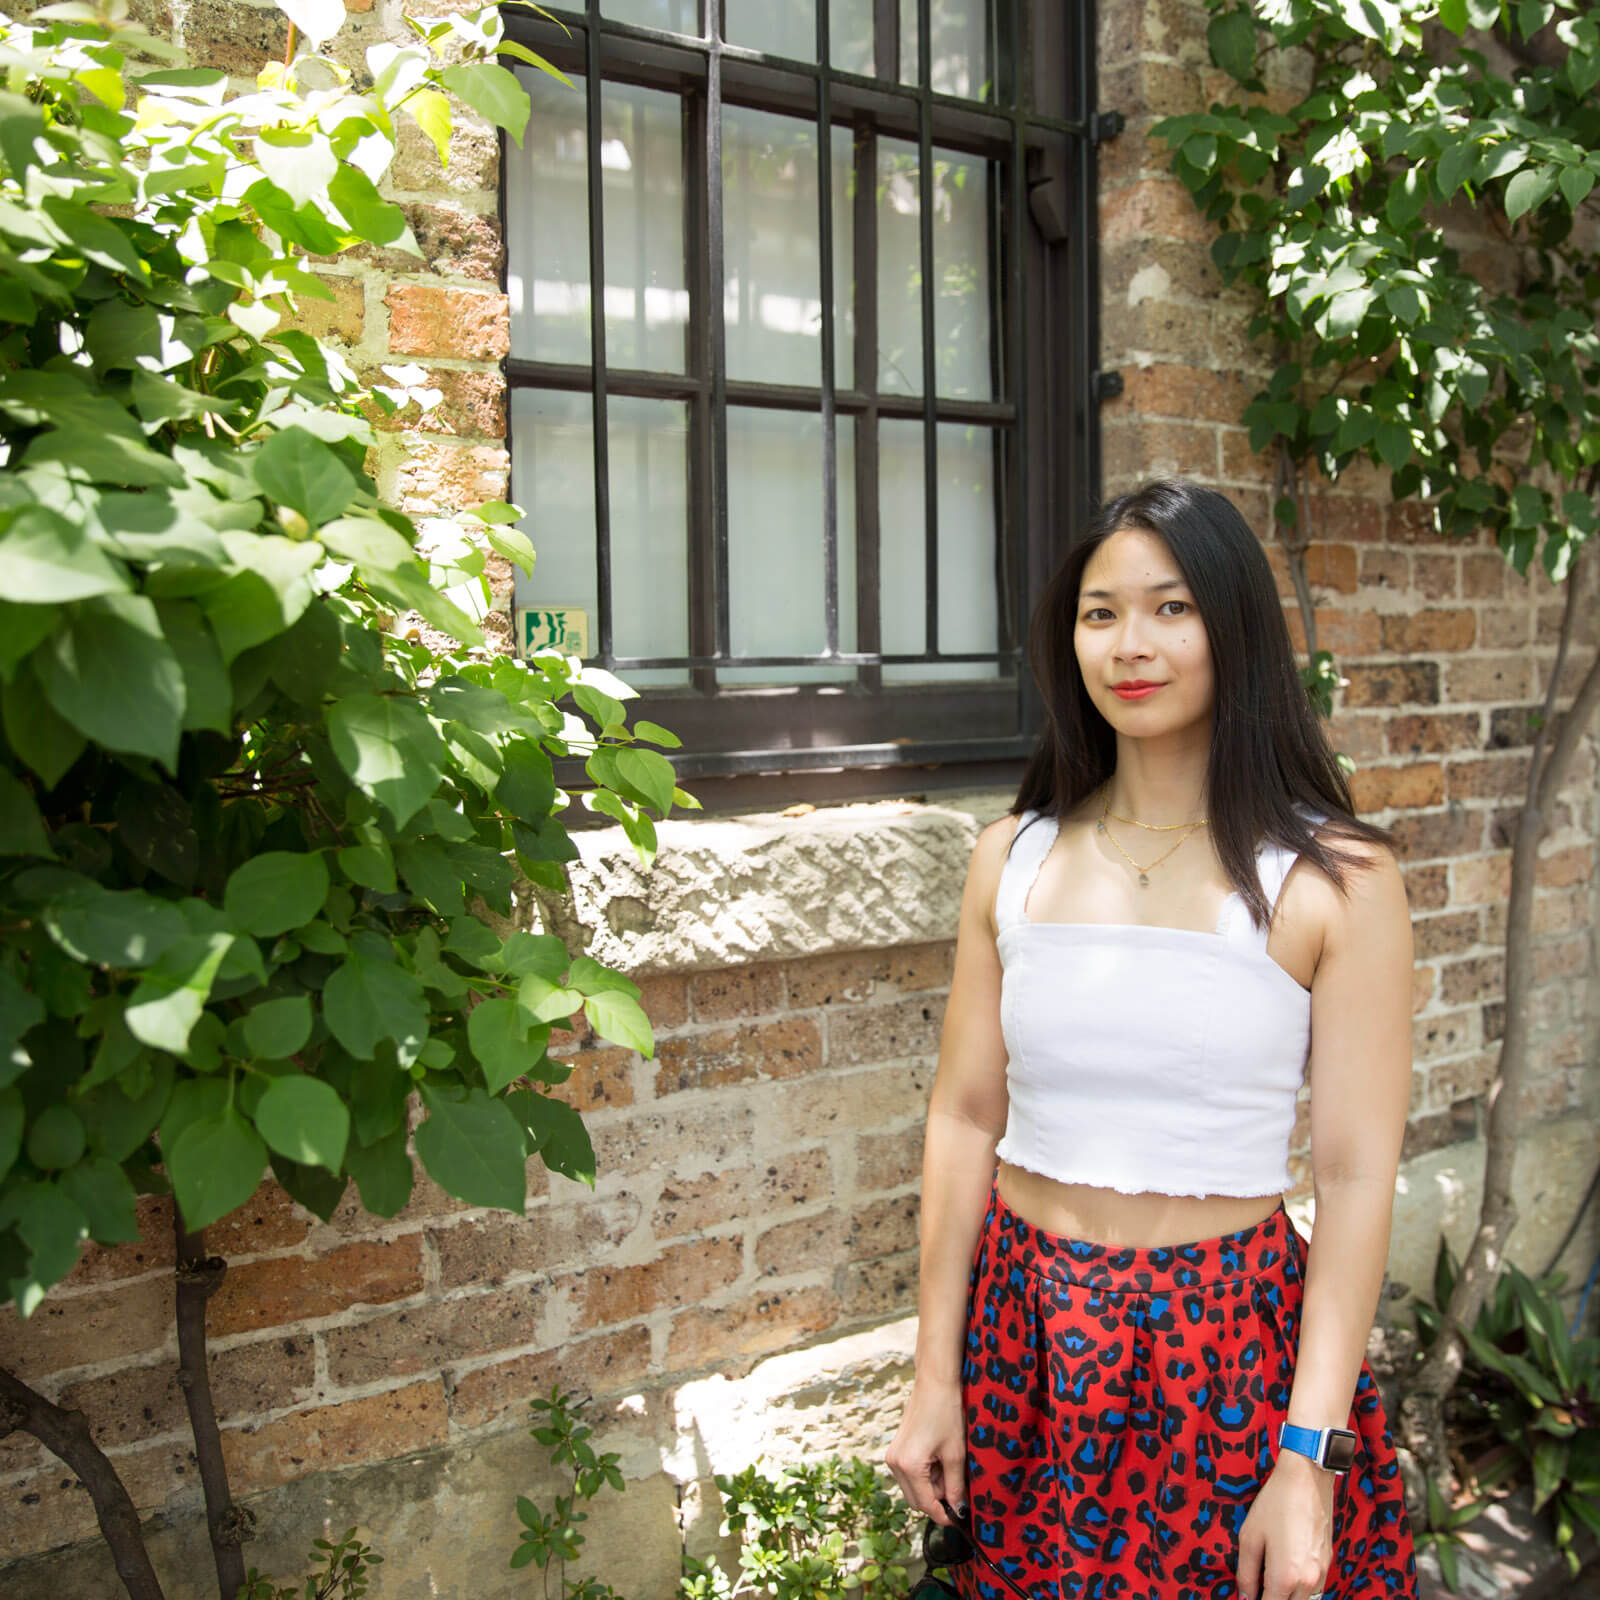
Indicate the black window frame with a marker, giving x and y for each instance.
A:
(746, 743)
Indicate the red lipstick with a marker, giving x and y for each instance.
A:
(1136, 688)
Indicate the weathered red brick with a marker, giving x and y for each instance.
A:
(425, 1338)
(762, 1050)
(807, 1244)
(70, 1330)
(1427, 888)
(1152, 208)
(154, 1248)
(428, 319)
(888, 1160)
(1395, 788)
(712, 1199)
(1394, 683)
(601, 1077)
(680, 1275)
(728, 992)
(487, 1250)
(706, 1336)
(287, 1289)
(440, 479)
(1481, 879)
(1435, 734)
(342, 317)
(1429, 835)
(599, 1366)
(884, 1032)
(1428, 632)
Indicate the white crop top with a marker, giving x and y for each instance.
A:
(1147, 1059)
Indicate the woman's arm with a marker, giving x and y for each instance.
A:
(966, 1117)
(1360, 1075)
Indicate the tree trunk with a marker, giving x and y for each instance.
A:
(199, 1277)
(1422, 1409)
(66, 1434)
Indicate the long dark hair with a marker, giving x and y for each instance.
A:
(1269, 754)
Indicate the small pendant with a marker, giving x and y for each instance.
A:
(1100, 826)
(1144, 880)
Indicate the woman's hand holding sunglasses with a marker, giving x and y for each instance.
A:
(929, 1454)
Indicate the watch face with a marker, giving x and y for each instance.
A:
(1340, 1454)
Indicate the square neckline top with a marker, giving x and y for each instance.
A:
(1233, 914)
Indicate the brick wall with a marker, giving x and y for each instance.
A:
(757, 1189)
(758, 1178)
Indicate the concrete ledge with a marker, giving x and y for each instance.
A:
(730, 890)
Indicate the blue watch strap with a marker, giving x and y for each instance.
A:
(1303, 1441)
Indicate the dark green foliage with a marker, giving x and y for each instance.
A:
(250, 834)
(1394, 351)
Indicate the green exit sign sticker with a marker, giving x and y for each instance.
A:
(552, 628)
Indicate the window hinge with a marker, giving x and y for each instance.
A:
(1106, 385)
(1105, 125)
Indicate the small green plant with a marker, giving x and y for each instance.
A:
(831, 1528)
(827, 1528)
(552, 1539)
(1531, 1390)
(1443, 1533)
(344, 1573)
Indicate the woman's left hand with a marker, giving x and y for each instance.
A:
(1286, 1543)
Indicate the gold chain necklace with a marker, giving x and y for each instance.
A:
(1151, 827)
(1144, 872)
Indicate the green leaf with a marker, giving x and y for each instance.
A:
(276, 891)
(430, 875)
(20, 1010)
(1529, 190)
(207, 693)
(45, 560)
(1453, 15)
(215, 1166)
(559, 1136)
(1576, 182)
(267, 599)
(497, 1030)
(167, 1003)
(370, 865)
(620, 1018)
(303, 1118)
(545, 1001)
(431, 110)
(302, 164)
(318, 20)
(383, 1173)
(389, 750)
(514, 545)
(102, 1192)
(50, 1223)
(367, 1001)
(1456, 166)
(297, 470)
(156, 824)
(656, 734)
(1394, 443)
(275, 1029)
(492, 92)
(126, 928)
(367, 542)
(527, 786)
(111, 674)
(473, 1148)
(1232, 39)
(56, 1138)
(45, 742)
(11, 1120)
(22, 830)
(649, 773)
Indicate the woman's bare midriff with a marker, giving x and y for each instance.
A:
(1145, 1221)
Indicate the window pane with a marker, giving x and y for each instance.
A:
(850, 46)
(641, 162)
(776, 590)
(772, 297)
(552, 456)
(968, 605)
(962, 305)
(785, 29)
(960, 52)
(547, 225)
(676, 16)
(899, 269)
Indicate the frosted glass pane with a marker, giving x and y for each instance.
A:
(641, 163)
(899, 269)
(960, 50)
(968, 602)
(552, 473)
(547, 225)
(780, 27)
(772, 296)
(776, 592)
(675, 16)
(850, 36)
(962, 299)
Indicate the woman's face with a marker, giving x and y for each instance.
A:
(1141, 645)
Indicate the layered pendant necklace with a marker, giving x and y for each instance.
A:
(1184, 829)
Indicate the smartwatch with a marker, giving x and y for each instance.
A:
(1333, 1449)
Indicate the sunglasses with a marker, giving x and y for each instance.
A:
(953, 1546)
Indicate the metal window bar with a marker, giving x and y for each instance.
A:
(597, 328)
(930, 375)
(830, 454)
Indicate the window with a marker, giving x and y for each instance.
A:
(802, 338)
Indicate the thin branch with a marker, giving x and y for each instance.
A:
(199, 1276)
(67, 1435)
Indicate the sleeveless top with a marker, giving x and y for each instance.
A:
(1148, 1059)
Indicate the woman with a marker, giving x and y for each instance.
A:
(1180, 920)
